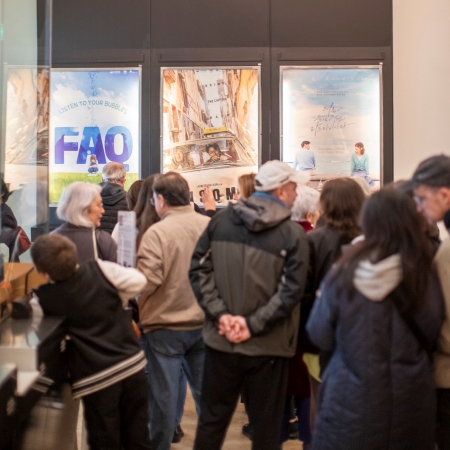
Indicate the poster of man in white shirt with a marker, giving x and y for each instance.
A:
(304, 159)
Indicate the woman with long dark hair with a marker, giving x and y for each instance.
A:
(340, 204)
(380, 312)
(145, 212)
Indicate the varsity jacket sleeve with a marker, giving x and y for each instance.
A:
(290, 289)
(201, 275)
(151, 261)
(128, 281)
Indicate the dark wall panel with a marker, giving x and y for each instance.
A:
(100, 24)
(207, 23)
(331, 23)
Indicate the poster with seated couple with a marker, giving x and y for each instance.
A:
(210, 127)
(94, 119)
(331, 122)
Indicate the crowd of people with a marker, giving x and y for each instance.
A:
(329, 311)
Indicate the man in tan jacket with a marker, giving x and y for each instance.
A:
(432, 194)
(169, 312)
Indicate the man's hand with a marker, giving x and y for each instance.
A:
(225, 324)
(208, 199)
(234, 328)
(239, 331)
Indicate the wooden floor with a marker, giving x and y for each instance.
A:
(235, 440)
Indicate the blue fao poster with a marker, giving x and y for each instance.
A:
(94, 119)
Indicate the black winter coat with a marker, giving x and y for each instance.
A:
(378, 390)
(114, 200)
(325, 248)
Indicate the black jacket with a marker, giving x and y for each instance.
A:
(325, 246)
(85, 238)
(114, 200)
(103, 348)
(9, 231)
(252, 261)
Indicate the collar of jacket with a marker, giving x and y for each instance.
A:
(260, 212)
(271, 197)
(75, 227)
(178, 210)
(447, 220)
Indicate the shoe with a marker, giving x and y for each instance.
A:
(247, 431)
(177, 435)
(293, 431)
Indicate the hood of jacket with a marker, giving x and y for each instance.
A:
(112, 193)
(260, 213)
(377, 281)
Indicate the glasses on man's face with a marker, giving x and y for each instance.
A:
(152, 201)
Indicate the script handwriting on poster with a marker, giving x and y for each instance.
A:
(333, 119)
(92, 134)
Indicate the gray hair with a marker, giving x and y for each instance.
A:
(113, 172)
(364, 185)
(307, 201)
(75, 202)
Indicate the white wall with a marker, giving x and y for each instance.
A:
(421, 82)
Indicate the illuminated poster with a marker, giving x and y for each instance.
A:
(210, 123)
(27, 116)
(331, 122)
(95, 119)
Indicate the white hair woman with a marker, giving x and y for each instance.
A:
(306, 207)
(81, 207)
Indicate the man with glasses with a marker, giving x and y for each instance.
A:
(168, 310)
(432, 195)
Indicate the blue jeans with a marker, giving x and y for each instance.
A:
(169, 351)
(182, 390)
(363, 174)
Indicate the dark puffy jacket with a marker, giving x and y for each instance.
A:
(85, 238)
(252, 261)
(378, 390)
(114, 200)
(325, 249)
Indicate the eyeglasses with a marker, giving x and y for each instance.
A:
(152, 201)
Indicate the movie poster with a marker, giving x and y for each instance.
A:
(331, 122)
(27, 116)
(210, 123)
(95, 119)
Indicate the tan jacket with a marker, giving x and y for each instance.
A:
(442, 357)
(164, 257)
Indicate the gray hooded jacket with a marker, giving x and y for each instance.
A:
(252, 261)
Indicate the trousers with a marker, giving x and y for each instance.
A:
(264, 379)
(167, 352)
(117, 416)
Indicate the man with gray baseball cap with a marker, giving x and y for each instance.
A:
(431, 182)
(248, 273)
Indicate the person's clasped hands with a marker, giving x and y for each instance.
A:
(234, 328)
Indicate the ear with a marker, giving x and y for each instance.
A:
(445, 195)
